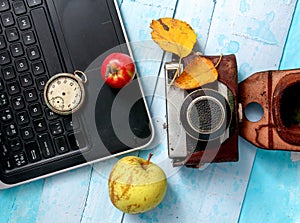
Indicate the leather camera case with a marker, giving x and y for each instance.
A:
(199, 150)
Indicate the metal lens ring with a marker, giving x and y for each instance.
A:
(205, 114)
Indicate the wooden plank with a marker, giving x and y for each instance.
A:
(199, 15)
(273, 192)
(256, 32)
(64, 195)
(17, 203)
(26, 203)
(7, 201)
(275, 176)
(98, 207)
(291, 55)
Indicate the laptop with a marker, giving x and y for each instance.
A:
(42, 38)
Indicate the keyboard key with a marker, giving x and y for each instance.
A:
(33, 53)
(6, 115)
(4, 5)
(2, 42)
(12, 34)
(3, 99)
(21, 65)
(46, 145)
(40, 125)
(4, 58)
(28, 38)
(50, 114)
(11, 130)
(32, 3)
(26, 80)
(22, 118)
(41, 82)
(13, 88)
(71, 123)
(38, 68)
(8, 73)
(27, 133)
(7, 19)
(35, 110)
(15, 144)
(61, 145)
(19, 7)
(8, 164)
(30, 95)
(76, 140)
(68, 123)
(33, 152)
(16, 50)
(1, 138)
(1, 85)
(4, 151)
(45, 38)
(20, 159)
(56, 128)
(18, 102)
(24, 23)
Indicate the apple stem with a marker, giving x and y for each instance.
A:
(145, 165)
(149, 158)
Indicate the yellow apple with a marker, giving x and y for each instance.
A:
(136, 185)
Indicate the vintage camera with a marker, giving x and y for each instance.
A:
(276, 94)
(203, 122)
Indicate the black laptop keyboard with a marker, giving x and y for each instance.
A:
(30, 133)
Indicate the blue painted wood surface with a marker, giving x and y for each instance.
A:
(273, 193)
(263, 36)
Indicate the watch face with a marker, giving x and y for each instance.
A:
(64, 94)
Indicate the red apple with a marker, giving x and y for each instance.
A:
(117, 70)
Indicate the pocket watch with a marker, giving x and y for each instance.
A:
(64, 93)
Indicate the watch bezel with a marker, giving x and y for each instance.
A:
(72, 76)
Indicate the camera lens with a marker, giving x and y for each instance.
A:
(205, 114)
(290, 106)
(286, 108)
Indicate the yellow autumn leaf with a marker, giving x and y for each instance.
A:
(197, 73)
(174, 36)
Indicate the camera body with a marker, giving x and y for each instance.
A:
(203, 123)
(277, 92)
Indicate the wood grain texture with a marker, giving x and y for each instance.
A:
(97, 205)
(256, 32)
(21, 204)
(273, 192)
(63, 196)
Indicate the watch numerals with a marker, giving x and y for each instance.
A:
(63, 93)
